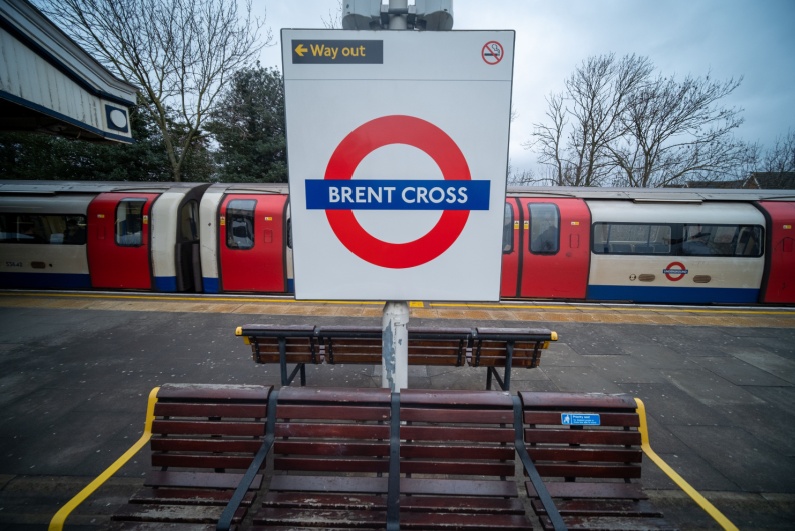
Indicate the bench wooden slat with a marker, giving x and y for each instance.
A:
(580, 470)
(458, 487)
(469, 400)
(322, 448)
(578, 453)
(470, 504)
(457, 433)
(331, 465)
(329, 484)
(202, 427)
(338, 431)
(457, 415)
(297, 500)
(592, 402)
(467, 521)
(565, 435)
(409, 450)
(355, 519)
(210, 410)
(210, 480)
(337, 396)
(206, 444)
(159, 526)
(584, 489)
(453, 467)
(607, 523)
(218, 462)
(196, 514)
(601, 508)
(187, 496)
(333, 412)
(213, 393)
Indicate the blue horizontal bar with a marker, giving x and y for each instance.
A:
(373, 194)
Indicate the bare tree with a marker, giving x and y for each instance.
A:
(179, 52)
(781, 157)
(676, 129)
(334, 20)
(616, 124)
(586, 118)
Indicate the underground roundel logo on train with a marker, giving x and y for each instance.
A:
(675, 271)
(339, 194)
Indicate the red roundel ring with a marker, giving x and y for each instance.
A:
(673, 277)
(365, 139)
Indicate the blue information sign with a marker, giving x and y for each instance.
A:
(580, 419)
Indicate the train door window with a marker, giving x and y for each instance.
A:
(129, 222)
(240, 224)
(189, 222)
(507, 230)
(544, 228)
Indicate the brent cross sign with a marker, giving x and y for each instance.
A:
(397, 153)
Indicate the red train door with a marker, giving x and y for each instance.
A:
(119, 243)
(251, 243)
(780, 285)
(555, 248)
(511, 249)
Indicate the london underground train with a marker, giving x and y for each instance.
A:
(577, 244)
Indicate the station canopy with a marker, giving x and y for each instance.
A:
(50, 84)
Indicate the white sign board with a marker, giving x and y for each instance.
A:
(397, 147)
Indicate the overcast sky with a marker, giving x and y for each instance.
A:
(729, 38)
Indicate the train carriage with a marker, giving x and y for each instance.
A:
(575, 244)
(77, 235)
(246, 239)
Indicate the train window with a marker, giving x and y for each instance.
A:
(189, 222)
(240, 223)
(544, 228)
(631, 238)
(722, 240)
(43, 229)
(129, 222)
(507, 230)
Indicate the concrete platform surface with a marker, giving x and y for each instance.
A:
(719, 390)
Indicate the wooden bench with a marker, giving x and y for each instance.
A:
(204, 437)
(480, 347)
(587, 449)
(371, 459)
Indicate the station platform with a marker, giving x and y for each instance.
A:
(718, 384)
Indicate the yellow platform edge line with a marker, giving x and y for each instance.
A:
(705, 504)
(57, 522)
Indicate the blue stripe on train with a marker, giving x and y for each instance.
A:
(166, 284)
(672, 295)
(45, 280)
(211, 284)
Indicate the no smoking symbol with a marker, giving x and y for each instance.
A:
(492, 52)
